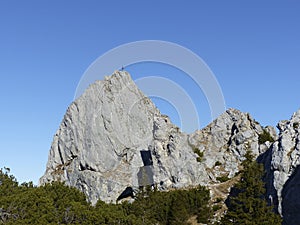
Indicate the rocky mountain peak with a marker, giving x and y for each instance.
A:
(290, 124)
(114, 139)
(225, 141)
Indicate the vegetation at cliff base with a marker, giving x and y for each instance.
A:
(246, 203)
(56, 203)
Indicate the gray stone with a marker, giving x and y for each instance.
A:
(113, 138)
(98, 145)
(282, 162)
(226, 140)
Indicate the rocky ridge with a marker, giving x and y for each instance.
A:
(113, 139)
(282, 162)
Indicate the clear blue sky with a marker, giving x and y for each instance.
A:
(253, 48)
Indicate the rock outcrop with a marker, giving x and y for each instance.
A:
(226, 140)
(113, 140)
(113, 137)
(282, 162)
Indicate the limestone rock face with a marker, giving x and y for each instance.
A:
(226, 140)
(113, 139)
(96, 146)
(282, 162)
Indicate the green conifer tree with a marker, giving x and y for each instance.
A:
(247, 204)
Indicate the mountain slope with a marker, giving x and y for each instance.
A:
(113, 140)
(113, 137)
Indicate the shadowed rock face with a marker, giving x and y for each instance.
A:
(282, 163)
(291, 199)
(113, 137)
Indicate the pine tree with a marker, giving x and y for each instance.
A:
(56, 203)
(247, 204)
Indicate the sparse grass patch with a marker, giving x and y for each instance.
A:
(223, 179)
(199, 153)
(296, 125)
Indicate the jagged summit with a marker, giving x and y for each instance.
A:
(113, 137)
(113, 140)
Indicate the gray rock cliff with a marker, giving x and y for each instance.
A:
(282, 162)
(224, 143)
(114, 139)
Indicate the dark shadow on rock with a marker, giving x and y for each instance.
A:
(234, 130)
(128, 192)
(146, 157)
(233, 193)
(291, 199)
(271, 193)
(145, 176)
